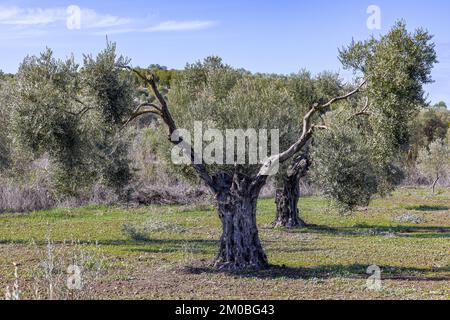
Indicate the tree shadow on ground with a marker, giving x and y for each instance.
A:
(354, 271)
(425, 232)
(428, 208)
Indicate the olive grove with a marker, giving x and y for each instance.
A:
(348, 133)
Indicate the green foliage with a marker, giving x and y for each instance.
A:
(225, 98)
(163, 75)
(5, 141)
(74, 114)
(430, 124)
(112, 93)
(343, 166)
(357, 158)
(109, 86)
(396, 67)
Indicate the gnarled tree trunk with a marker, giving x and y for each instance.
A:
(288, 195)
(286, 199)
(240, 246)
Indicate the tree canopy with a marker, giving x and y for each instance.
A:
(73, 114)
(359, 154)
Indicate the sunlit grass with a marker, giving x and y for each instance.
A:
(326, 260)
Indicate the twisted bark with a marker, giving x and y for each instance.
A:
(288, 195)
(240, 246)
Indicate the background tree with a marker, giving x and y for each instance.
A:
(73, 114)
(395, 68)
(6, 76)
(5, 142)
(434, 162)
(287, 193)
(430, 124)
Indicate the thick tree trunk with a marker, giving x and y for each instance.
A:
(240, 246)
(288, 195)
(286, 199)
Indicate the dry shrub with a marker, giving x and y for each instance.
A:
(25, 198)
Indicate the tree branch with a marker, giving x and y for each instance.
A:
(166, 116)
(308, 130)
(346, 96)
(138, 114)
(299, 166)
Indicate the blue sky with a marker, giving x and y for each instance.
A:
(265, 36)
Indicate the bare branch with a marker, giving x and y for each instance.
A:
(345, 96)
(80, 102)
(164, 112)
(147, 104)
(138, 114)
(83, 111)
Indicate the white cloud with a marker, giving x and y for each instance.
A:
(168, 26)
(181, 26)
(30, 16)
(91, 19)
(23, 17)
(48, 19)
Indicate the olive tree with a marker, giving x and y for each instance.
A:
(434, 161)
(221, 97)
(74, 114)
(430, 124)
(392, 72)
(358, 157)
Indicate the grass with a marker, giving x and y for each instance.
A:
(327, 260)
